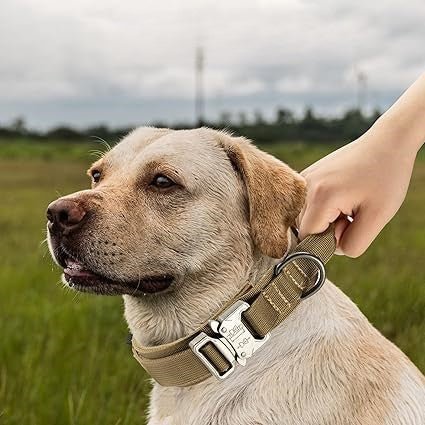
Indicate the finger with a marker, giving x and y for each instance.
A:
(360, 233)
(299, 219)
(341, 225)
(316, 219)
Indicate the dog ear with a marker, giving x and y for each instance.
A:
(276, 194)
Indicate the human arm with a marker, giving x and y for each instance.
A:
(368, 178)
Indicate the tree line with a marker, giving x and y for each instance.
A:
(285, 126)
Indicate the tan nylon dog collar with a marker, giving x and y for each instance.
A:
(243, 324)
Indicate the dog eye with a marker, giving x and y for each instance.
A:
(162, 182)
(96, 176)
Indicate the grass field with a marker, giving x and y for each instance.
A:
(63, 356)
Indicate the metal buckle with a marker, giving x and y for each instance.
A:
(321, 272)
(235, 341)
(201, 340)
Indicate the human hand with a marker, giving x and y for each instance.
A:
(366, 180)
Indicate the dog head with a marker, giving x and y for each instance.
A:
(168, 205)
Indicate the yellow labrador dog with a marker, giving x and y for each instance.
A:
(176, 222)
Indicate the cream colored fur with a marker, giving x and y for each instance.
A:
(324, 365)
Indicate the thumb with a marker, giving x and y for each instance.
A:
(359, 234)
(316, 219)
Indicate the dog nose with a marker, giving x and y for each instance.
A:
(65, 215)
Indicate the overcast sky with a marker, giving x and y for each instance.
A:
(132, 62)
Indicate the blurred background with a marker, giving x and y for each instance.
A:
(298, 77)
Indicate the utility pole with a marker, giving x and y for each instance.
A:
(361, 90)
(199, 87)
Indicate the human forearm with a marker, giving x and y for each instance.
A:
(368, 178)
(403, 125)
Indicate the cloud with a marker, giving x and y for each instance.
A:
(104, 60)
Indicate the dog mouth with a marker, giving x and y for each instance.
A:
(79, 277)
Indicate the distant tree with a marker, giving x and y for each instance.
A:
(376, 113)
(284, 116)
(309, 116)
(311, 127)
(160, 124)
(119, 133)
(225, 119)
(258, 118)
(353, 123)
(64, 133)
(18, 126)
(102, 131)
(242, 119)
(314, 128)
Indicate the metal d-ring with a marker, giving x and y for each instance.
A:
(321, 272)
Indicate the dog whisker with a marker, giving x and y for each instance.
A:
(97, 154)
(103, 142)
(76, 298)
(138, 284)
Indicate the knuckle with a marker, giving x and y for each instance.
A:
(319, 191)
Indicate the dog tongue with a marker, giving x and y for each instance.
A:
(74, 268)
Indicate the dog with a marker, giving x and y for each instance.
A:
(176, 222)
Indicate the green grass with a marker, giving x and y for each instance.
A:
(63, 356)
(47, 150)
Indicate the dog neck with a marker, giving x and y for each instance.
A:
(160, 319)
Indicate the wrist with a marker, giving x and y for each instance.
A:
(406, 118)
(397, 133)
